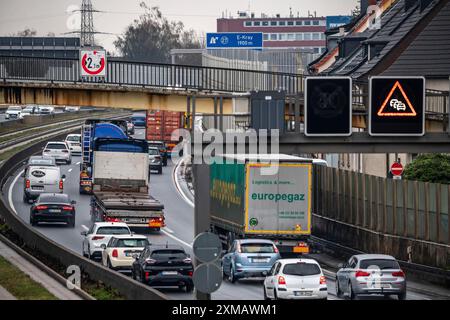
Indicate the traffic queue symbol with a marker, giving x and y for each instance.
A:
(398, 105)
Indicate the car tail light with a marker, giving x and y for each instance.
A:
(302, 244)
(187, 260)
(61, 184)
(190, 273)
(97, 238)
(27, 184)
(323, 280)
(150, 261)
(115, 254)
(41, 207)
(360, 273)
(398, 274)
(147, 275)
(281, 280)
(109, 219)
(275, 249)
(67, 208)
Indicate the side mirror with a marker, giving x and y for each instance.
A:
(63, 176)
(73, 202)
(103, 246)
(264, 273)
(135, 256)
(84, 233)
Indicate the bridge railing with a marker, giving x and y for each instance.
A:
(131, 73)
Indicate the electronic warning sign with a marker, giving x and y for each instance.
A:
(397, 106)
(328, 106)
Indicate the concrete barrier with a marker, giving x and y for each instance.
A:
(44, 246)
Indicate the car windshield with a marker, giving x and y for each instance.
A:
(14, 108)
(57, 146)
(74, 138)
(379, 263)
(301, 269)
(113, 230)
(131, 243)
(153, 152)
(138, 118)
(257, 248)
(165, 254)
(42, 162)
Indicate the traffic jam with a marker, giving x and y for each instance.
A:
(123, 213)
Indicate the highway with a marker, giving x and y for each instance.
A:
(179, 219)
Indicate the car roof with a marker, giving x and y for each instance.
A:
(153, 148)
(55, 196)
(58, 142)
(154, 247)
(111, 224)
(74, 134)
(374, 256)
(129, 236)
(41, 158)
(286, 261)
(243, 241)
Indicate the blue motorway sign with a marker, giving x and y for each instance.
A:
(337, 21)
(245, 40)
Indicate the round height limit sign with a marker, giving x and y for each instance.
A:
(93, 63)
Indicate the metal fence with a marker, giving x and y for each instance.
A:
(412, 209)
(132, 73)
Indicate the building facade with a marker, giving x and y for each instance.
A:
(280, 32)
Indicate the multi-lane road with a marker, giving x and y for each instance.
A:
(179, 219)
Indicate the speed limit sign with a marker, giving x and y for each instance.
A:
(93, 63)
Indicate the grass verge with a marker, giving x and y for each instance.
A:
(20, 285)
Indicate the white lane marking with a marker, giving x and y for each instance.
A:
(169, 230)
(178, 187)
(176, 239)
(11, 187)
(78, 163)
(70, 170)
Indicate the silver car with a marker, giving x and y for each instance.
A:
(371, 274)
(249, 258)
(58, 150)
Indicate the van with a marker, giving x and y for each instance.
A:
(42, 179)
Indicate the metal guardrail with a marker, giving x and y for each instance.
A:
(36, 241)
(133, 73)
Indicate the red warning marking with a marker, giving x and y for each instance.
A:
(381, 112)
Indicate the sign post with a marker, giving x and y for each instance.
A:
(234, 40)
(397, 106)
(92, 63)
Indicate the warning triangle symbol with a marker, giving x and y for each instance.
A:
(397, 104)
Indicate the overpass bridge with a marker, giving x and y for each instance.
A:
(142, 85)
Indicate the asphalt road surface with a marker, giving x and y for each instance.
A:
(179, 219)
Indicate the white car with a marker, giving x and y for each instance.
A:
(59, 150)
(74, 143)
(295, 279)
(30, 111)
(71, 109)
(47, 110)
(14, 112)
(100, 233)
(120, 252)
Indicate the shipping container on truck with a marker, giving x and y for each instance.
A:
(251, 198)
(91, 130)
(120, 184)
(161, 124)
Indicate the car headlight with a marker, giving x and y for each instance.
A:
(238, 264)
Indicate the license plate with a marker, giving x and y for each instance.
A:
(260, 260)
(129, 254)
(134, 220)
(303, 293)
(301, 249)
(37, 188)
(169, 273)
(54, 210)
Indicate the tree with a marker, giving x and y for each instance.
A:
(26, 33)
(152, 36)
(429, 168)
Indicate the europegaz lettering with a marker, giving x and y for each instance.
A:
(290, 197)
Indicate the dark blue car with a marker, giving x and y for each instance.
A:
(138, 121)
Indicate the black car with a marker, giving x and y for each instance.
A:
(164, 266)
(53, 207)
(162, 150)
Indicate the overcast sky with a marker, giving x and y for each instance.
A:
(52, 15)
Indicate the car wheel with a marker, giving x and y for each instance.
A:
(32, 221)
(189, 288)
(275, 296)
(108, 264)
(402, 296)
(133, 275)
(25, 198)
(351, 294)
(160, 171)
(71, 223)
(224, 275)
(265, 294)
(231, 277)
(338, 289)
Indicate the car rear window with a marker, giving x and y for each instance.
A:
(42, 162)
(15, 108)
(257, 248)
(74, 138)
(131, 243)
(153, 152)
(56, 146)
(54, 198)
(113, 230)
(380, 263)
(166, 253)
(301, 269)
